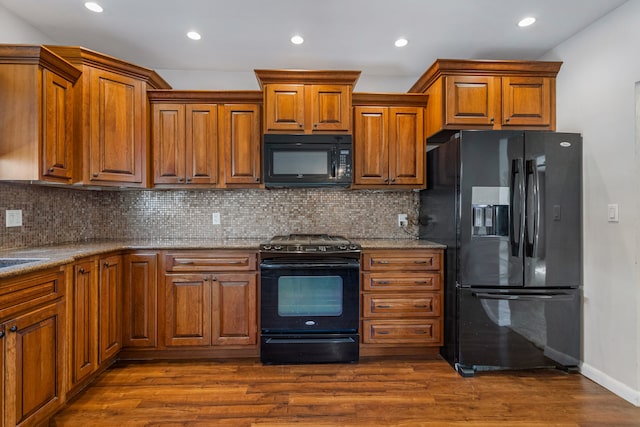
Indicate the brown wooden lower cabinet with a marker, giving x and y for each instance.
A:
(32, 343)
(401, 301)
(140, 292)
(94, 307)
(214, 304)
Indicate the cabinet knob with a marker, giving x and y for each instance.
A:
(188, 179)
(180, 179)
(95, 174)
(213, 279)
(393, 180)
(507, 119)
(51, 170)
(300, 125)
(386, 180)
(1, 334)
(258, 179)
(106, 265)
(81, 271)
(14, 328)
(492, 119)
(315, 125)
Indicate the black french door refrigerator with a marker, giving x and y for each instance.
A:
(508, 206)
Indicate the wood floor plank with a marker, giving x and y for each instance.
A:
(373, 392)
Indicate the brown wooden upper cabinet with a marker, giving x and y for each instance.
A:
(467, 94)
(389, 145)
(206, 139)
(111, 116)
(36, 133)
(307, 101)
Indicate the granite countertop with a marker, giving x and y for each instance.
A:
(57, 255)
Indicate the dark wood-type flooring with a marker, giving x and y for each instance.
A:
(373, 392)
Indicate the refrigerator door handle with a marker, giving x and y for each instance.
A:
(515, 188)
(532, 209)
(523, 297)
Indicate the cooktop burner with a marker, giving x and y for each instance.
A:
(310, 243)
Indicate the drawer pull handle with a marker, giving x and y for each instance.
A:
(185, 263)
(420, 305)
(381, 262)
(383, 306)
(423, 282)
(421, 332)
(384, 333)
(383, 282)
(14, 328)
(421, 262)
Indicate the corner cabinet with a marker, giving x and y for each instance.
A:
(36, 133)
(466, 94)
(389, 145)
(307, 101)
(111, 118)
(32, 347)
(206, 139)
(401, 301)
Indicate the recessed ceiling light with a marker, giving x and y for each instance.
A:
(93, 6)
(297, 39)
(529, 20)
(401, 42)
(193, 35)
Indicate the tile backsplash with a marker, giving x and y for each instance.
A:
(53, 215)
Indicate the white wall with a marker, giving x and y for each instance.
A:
(596, 96)
(15, 30)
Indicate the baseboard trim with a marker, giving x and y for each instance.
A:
(624, 391)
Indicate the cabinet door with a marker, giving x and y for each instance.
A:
(168, 143)
(201, 143)
(472, 100)
(234, 309)
(35, 365)
(330, 108)
(527, 101)
(241, 141)
(284, 107)
(118, 112)
(84, 309)
(371, 146)
(140, 301)
(57, 133)
(187, 310)
(406, 146)
(110, 296)
(4, 398)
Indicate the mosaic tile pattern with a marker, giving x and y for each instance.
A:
(58, 215)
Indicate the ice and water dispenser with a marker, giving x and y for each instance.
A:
(490, 211)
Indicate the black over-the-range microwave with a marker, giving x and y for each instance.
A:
(307, 160)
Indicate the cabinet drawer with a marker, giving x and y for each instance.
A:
(24, 292)
(401, 305)
(211, 262)
(389, 281)
(402, 261)
(423, 331)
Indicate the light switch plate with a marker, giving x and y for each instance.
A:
(215, 218)
(14, 217)
(612, 213)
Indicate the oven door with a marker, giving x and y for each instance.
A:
(309, 295)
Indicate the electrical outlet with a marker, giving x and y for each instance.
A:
(14, 218)
(402, 220)
(215, 217)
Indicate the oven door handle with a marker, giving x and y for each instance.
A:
(310, 264)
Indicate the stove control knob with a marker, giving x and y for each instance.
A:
(342, 247)
(322, 248)
(277, 248)
(266, 247)
(353, 247)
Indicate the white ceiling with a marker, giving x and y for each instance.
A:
(242, 35)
